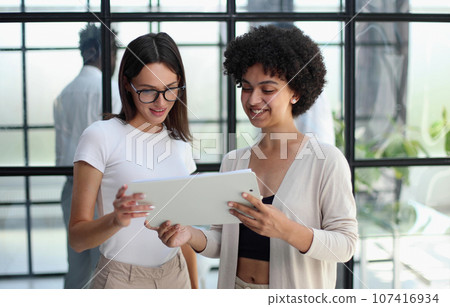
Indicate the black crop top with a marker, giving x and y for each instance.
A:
(251, 244)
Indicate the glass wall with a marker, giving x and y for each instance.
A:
(404, 217)
(387, 89)
(401, 104)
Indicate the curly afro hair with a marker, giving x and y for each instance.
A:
(288, 54)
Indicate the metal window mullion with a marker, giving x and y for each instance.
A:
(402, 17)
(105, 17)
(221, 79)
(231, 92)
(349, 116)
(26, 154)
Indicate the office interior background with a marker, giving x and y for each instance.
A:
(388, 85)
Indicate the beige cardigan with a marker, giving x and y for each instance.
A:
(316, 192)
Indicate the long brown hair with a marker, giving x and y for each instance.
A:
(147, 49)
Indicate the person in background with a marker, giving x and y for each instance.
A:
(305, 222)
(152, 88)
(318, 120)
(78, 106)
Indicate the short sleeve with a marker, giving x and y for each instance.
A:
(92, 147)
(189, 159)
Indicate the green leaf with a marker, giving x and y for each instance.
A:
(447, 143)
(423, 149)
(366, 177)
(444, 115)
(402, 173)
(410, 148)
(436, 129)
(395, 148)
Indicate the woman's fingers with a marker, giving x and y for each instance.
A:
(167, 237)
(246, 220)
(128, 199)
(243, 209)
(166, 232)
(136, 214)
(147, 224)
(121, 191)
(135, 209)
(254, 201)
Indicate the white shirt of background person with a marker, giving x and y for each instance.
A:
(318, 120)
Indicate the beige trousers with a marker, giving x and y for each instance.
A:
(111, 274)
(240, 284)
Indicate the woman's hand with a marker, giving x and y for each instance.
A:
(127, 208)
(177, 235)
(172, 235)
(267, 220)
(270, 222)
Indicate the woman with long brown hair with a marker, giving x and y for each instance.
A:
(154, 109)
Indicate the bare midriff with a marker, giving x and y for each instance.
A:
(253, 271)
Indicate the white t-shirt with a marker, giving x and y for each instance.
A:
(124, 154)
(78, 106)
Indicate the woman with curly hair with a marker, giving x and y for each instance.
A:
(305, 222)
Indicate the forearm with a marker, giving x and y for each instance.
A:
(191, 262)
(85, 235)
(298, 236)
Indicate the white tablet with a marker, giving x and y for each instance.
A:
(197, 199)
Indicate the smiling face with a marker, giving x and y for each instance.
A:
(154, 76)
(267, 100)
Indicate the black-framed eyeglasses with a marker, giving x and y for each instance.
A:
(148, 96)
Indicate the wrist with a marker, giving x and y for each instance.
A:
(289, 232)
(190, 230)
(116, 222)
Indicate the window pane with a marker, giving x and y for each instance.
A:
(333, 89)
(203, 81)
(48, 233)
(209, 144)
(41, 147)
(13, 154)
(168, 6)
(48, 72)
(13, 240)
(246, 134)
(240, 114)
(193, 32)
(323, 33)
(11, 87)
(46, 188)
(404, 220)
(10, 35)
(401, 89)
(128, 31)
(10, 6)
(289, 6)
(62, 5)
(46, 35)
(404, 6)
(12, 190)
(49, 239)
